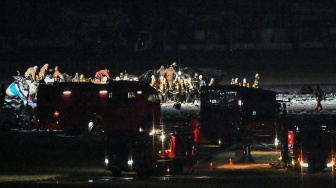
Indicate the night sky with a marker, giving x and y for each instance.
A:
(18, 16)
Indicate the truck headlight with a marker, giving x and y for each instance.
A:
(303, 164)
(331, 164)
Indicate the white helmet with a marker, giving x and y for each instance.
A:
(200, 76)
(35, 67)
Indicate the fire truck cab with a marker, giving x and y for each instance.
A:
(120, 105)
(309, 148)
(229, 111)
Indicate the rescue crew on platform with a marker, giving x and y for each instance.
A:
(236, 82)
(195, 82)
(82, 78)
(232, 81)
(57, 75)
(163, 90)
(174, 65)
(201, 82)
(43, 72)
(75, 78)
(100, 74)
(154, 83)
(121, 76)
(183, 95)
(245, 83)
(31, 73)
(161, 71)
(190, 92)
(176, 90)
(104, 80)
(170, 75)
(256, 83)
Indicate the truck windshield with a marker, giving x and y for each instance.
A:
(316, 140)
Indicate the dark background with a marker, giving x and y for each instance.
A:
(86, 36)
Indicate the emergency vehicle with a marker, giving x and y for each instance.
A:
(309, 147)
(165, 150)
(129, 114)
(120, 105)
(230, 112)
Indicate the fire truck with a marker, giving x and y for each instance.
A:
(136, 138)
(307, 146)
(230, 112)
(120, 105)
(168, 149)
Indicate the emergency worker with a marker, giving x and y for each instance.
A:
(190, 92)
(100, 74)
(183, 85)
(161, 71)
(248, 141)
(195, 82)
(82, 78)
(121, 76)
(154, 83)
(245, 84)
(201, 82)
(236, 82)
(319, 95)
(43, 72)
(104, 80)
(212, 82)
(170, 75)
(163, 90)
(176, 90)
(57, 75)
(26, 113)
(232, 81)
(75, 78)
(174, 65)
(256, 83)
(31, 73)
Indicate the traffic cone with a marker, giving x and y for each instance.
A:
(230, 163)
